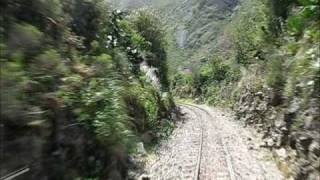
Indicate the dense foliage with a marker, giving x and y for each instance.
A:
(71, 84)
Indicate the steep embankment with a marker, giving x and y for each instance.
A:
(269, 74)
(280, 96)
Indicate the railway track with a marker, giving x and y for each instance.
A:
(208, 145)
(228, 158)
(178, 157)
(197, 170)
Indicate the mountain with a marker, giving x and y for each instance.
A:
(193, 26)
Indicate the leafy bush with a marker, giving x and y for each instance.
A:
(13, 82)
(183, 84)
(248, 31)
(104, 111)
(103, 64)
(215, 71)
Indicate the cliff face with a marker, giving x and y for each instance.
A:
(195, 27)
(203, 20)
(135, 4)
(290, 129)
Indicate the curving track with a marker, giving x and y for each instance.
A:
(209, 145)
(220, 167)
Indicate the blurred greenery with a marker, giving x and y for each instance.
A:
(76, 63)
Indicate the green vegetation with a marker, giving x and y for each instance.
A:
(269, 37)
(275, 74)
(71, 69)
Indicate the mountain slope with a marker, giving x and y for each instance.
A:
(193, 26)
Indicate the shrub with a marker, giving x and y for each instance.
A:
(275, 76)
(150, 27)
(25, 37)
(104, 112)
(219, 70)
(147, 96)
(305, 14)
(248, 31)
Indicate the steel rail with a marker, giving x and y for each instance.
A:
(199, 159)
(228, 157)
(15, 173)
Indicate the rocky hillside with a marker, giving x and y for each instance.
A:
(269, 74)
(280, 95)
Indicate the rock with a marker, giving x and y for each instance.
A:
(259, 94)
(314, 176)
(290, 178)
(259, 125)
(284, 129)
(140, 148)
(175, 116)
(196, 100)
(311, 123)
(274, 97)
(91, 159)
(262, 144)
(144, 177)
(315, 148)
(269, 142)
(252, 108)
(304, 142)
(163, 122)
(292, 142)
(273, 117)
(262, 106)
(115, 175)
(308, 122)
(147, 137)
(247, 117)
(279, 121)
(278, 143)
(294, 107)
(282, 153)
